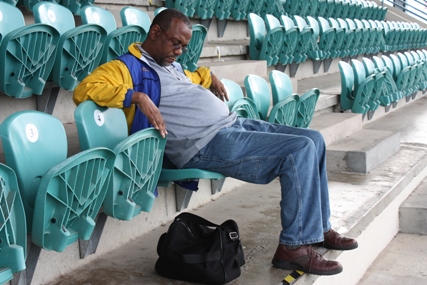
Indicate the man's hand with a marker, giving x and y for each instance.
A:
(151, 111)
(218, 88)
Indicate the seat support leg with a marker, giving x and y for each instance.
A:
(216, 185)
(46, 102)
(88, 247)
(182, 197)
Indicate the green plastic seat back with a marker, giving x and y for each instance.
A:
(284, 111)
(271, 22)
(188, 7)
(389, 64)
(239, 10)
(79, 48)
(134, 16)
(74, 6)
(281, 86)
(263, 44)
(189, 59)
(138, 163)
(223, 9)
(13, 230)
(256, 6)
(93, 129)
(234, 91)
(118, 41)
(29, 4)
(11, 18)
(258, 90)
(33, 142)
(69, 198)
(245, 108)
(347, 85)
(28, 57)
(274, 7)
(378, 62)
(91, 14)
(306, 108)
(290, 38)
(158, 10)
(54, 15)
(369, 66)
(363, 87)
(206, 9)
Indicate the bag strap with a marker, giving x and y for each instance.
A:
(196, 219)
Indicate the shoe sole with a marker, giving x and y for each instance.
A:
(292, 266)
(336, 247)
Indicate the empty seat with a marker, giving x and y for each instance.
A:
(61, 196)
(27, 52)
(132, 183)
(351, 98)
(118, 39)
(134, 16)
(75, 5)
(242, 106)
(258, 90)
(240, 9)
(13, 230)
(306, 107)
(290, 39)
(206, 9)
(285, 102)
(263, 44)
(256, 7)
(304, 39)
(29, 4)
(79, 48)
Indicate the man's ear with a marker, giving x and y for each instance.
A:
(155, 31)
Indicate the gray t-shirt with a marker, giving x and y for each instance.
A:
(193, 115)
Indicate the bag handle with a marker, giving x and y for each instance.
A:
(196, 219)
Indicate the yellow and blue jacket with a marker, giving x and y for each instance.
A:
(113, 83)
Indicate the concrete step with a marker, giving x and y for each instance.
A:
(362, 151)
(237, 70)
(336, 126)
(413, 211)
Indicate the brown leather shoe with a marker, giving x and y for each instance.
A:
(304, 258)
(334, 240)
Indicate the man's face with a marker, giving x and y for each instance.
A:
(172, 42)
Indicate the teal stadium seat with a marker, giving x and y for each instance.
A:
(258, 90)
(75, 5)
(242, 106)
(290, 40)
(274, 7)
(188, 7)
(350, 45)
(223, 13)
(358, 42)
(351, 98)
(27, 53)
(256, 7)
(134, 16)
(13, 230)
(378, 97)
(390, 88)
(401, 76)
(138, 162)
(263, 44)
(29, 4)
(285, 102)
(369, 102)
(189, 59)
(61, 196)
(239, 10)
(335, 48)
(206, 9)
(79, 48)
(304, 39)
(322, 41)
(118, 39)
(306, 107)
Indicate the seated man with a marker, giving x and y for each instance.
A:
(202, 133)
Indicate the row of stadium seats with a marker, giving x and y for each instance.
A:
(73, 6)
(69, 52)
(382, 81)
(239, 9)
(287, 108)
(287, 40)
(353, 9)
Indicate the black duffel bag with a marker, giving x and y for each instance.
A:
(196, 250)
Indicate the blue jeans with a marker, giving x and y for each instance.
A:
(257, 151)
